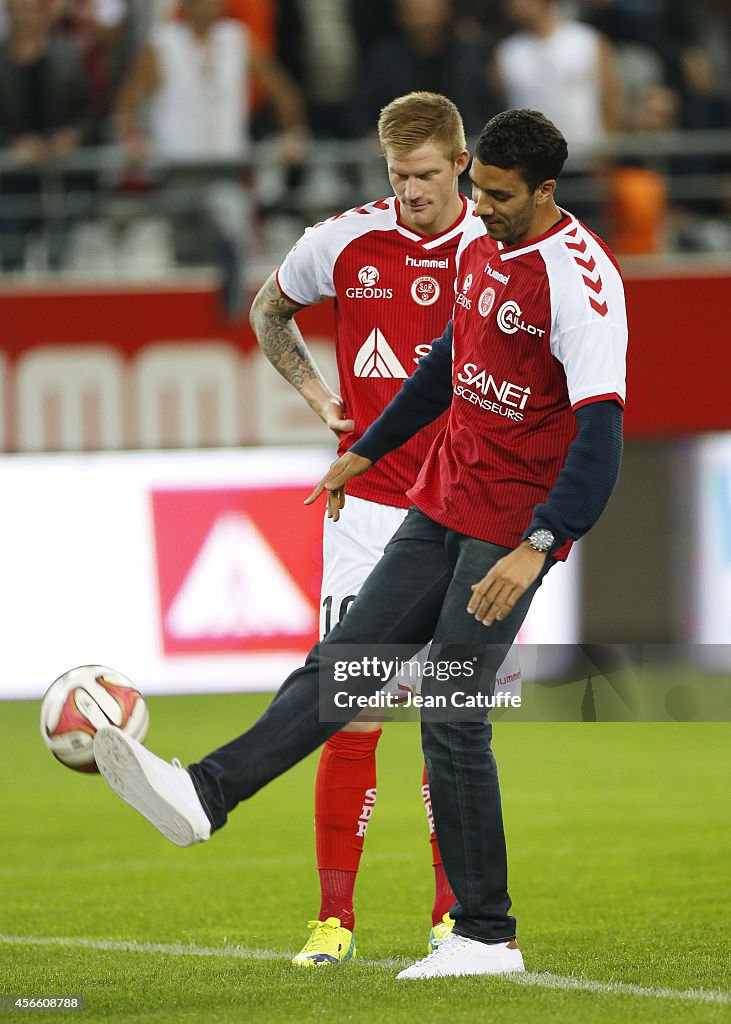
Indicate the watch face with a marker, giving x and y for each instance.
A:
(541, 540)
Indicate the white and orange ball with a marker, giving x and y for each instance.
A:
(82, 700)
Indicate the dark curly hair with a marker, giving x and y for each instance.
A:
(524, 140)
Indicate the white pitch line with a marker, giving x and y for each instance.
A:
(619, 988)
(131, 946)
(530, 978)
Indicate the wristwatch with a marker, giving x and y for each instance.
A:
(541, 540)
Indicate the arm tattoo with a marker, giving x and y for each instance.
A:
(279, 337)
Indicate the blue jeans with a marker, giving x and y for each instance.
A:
(419, 591)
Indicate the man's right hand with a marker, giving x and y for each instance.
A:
(334, 481)
(332, 413)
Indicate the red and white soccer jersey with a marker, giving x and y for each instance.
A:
(394, 293)
(540, 329)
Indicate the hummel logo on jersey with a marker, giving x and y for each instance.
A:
(434, 264)
(502, 278)
(368, 277)
(589, 272)
(509, 320)
(376, 358)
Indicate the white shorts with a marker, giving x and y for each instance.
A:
(351, 548)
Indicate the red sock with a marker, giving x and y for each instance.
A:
(345, 794)
(443, 895)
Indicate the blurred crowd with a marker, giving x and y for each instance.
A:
(190, 82)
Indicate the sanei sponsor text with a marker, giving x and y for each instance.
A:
(477, 385)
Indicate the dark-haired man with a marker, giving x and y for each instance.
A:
(532, 371)
(408, 246)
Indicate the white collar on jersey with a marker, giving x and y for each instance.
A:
(431, 242)
(567, 223)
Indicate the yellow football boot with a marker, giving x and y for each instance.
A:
(328, 944)
(439, 933)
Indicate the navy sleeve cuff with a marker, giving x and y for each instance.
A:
(586, 481)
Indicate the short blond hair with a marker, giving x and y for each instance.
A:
(418, 118)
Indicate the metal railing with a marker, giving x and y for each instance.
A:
(56, 217)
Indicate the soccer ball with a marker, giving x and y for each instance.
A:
(82, 700)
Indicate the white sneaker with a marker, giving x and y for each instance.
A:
(458, 955)
(161, 792)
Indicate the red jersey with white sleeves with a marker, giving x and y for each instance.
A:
(394, 292)
(540, 329)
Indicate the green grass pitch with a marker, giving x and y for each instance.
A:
(619, 872)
